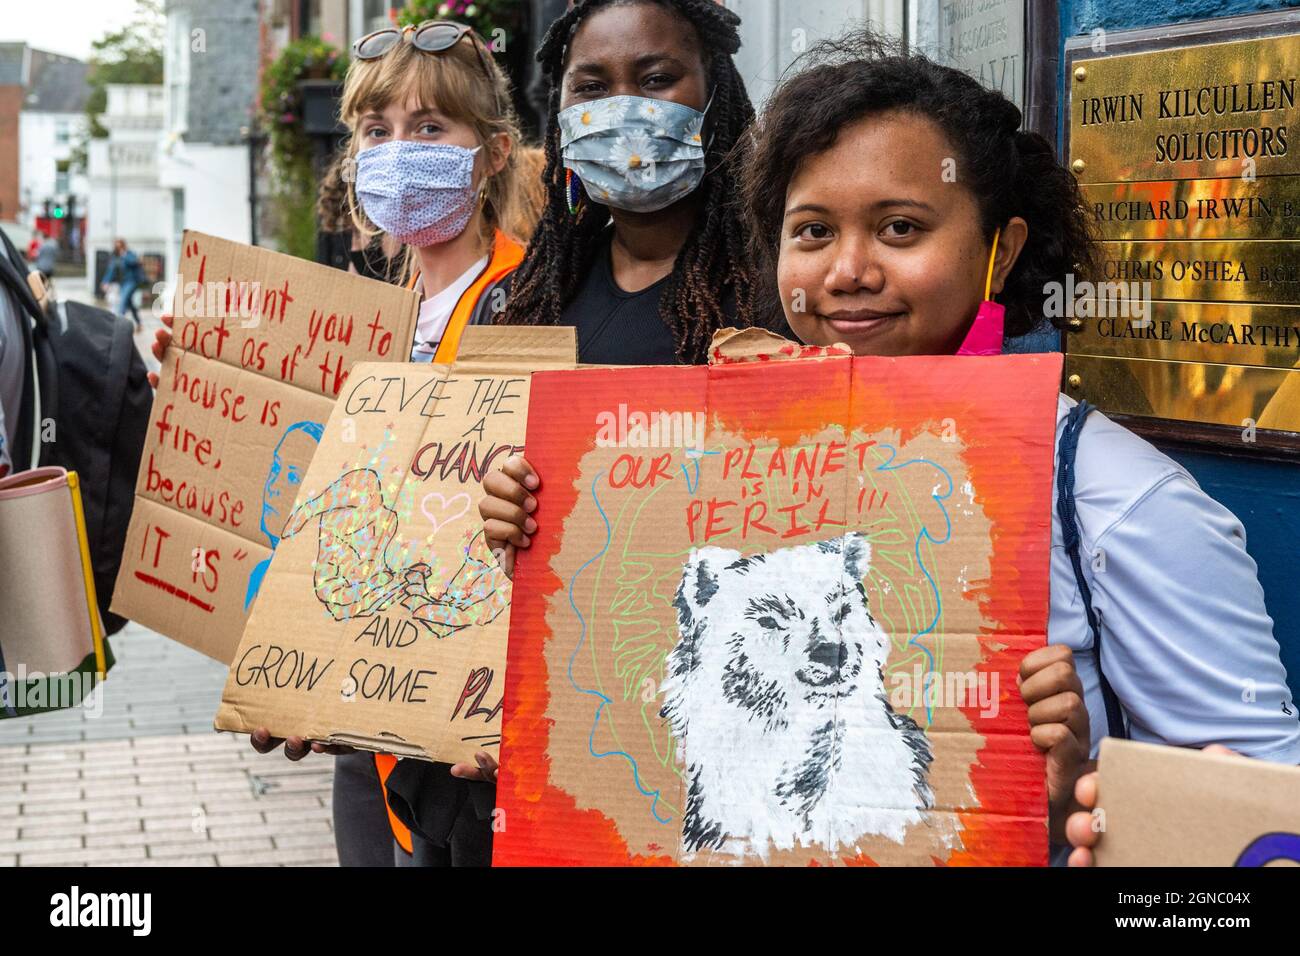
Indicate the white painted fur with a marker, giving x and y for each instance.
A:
(750, 706)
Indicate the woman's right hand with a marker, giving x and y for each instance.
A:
(161, 338)
(507, 506)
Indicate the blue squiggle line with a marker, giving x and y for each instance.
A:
(582, 635)
(925, 533)
(695, 460)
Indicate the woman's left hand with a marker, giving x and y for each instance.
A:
(486, 769)
(1058, 725)
(1083, 830)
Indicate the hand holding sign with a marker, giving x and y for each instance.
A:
(1058, 724)
(507, 509)
(161, 339)
(295, 748)
(1082, 829)
(484, 768)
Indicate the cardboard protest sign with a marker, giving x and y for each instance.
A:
(1168, 806)
(775, 610)
(383, 621)
(262, 343)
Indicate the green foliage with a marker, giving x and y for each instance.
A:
(293, 197)
(292, 213)
(485, 16)
(307, 58)
(133, 54)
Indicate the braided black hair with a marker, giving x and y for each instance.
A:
(1010, 171)
(714, 259)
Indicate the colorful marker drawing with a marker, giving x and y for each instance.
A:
(354, 575)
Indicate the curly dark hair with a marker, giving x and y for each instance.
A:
(713, 261)
(332, 196)
(1010, 171)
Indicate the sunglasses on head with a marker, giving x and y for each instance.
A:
(431, 36)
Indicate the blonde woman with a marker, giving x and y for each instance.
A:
(435, 164)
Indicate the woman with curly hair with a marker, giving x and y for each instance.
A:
(889, 198)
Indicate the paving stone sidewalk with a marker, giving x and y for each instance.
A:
(147, 782)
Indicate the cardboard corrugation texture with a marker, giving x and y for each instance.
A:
(383, 620)
(943, 473)
(235, 422)
(1168, 806)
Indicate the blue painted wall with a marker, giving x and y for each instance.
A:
(1264, 495)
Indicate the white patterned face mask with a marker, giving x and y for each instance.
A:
(634, 152)
(419, 193)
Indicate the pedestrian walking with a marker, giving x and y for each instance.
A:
(126, 271)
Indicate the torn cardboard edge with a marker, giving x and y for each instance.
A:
(732, 345)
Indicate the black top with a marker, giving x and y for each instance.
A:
(614, 327)
(617, 327)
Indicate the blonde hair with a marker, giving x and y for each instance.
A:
(453, 82)
(532, 192)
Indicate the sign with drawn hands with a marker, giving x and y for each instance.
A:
(399, 612)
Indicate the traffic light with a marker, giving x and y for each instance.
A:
(58, 211)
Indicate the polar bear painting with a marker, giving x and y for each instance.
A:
(776, 697)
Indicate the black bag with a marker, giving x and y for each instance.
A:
(94, 386)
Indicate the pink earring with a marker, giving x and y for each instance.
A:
(985, 335)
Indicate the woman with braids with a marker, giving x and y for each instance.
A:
(862, 239)
(640, 244)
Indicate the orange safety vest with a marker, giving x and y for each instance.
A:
(506, 256)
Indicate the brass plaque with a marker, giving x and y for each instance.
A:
(1215, 110)
(1235, 395)
(1264, 271)
(1268, 208)
(1186, 146)
(1230, 333)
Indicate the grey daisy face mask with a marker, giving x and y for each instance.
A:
(634, 152)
